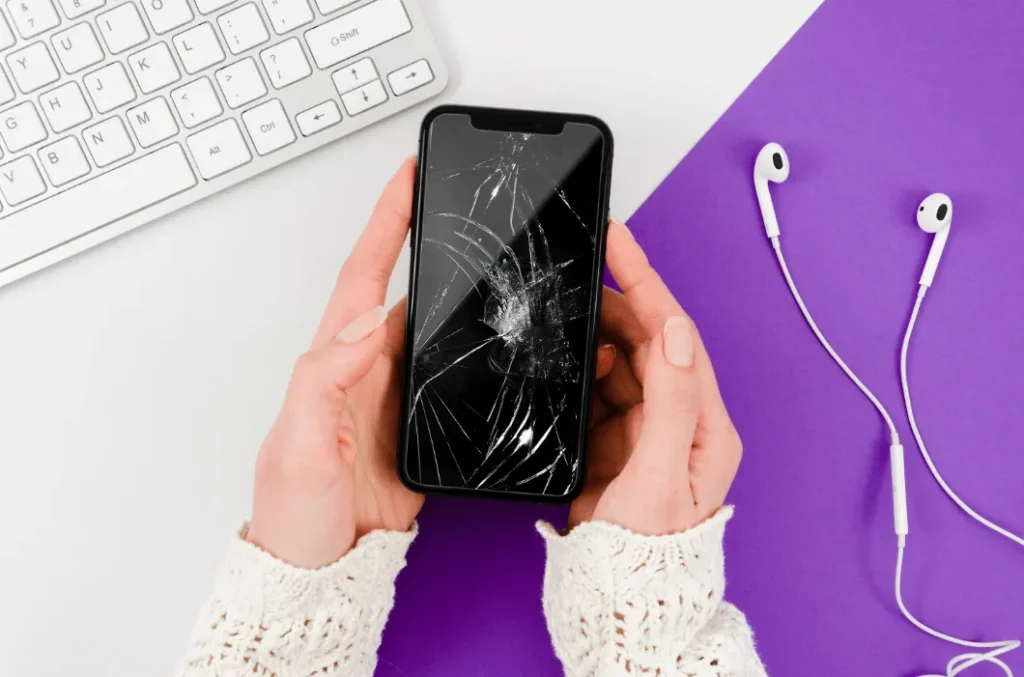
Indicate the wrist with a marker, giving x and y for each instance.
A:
(303, 538)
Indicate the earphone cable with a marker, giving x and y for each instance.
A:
(917, 433)
(960, 662)
(893, 434)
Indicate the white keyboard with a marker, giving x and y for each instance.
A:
(113, 113)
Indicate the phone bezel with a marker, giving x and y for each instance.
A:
(504, 119)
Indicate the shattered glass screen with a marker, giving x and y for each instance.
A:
(507, 258)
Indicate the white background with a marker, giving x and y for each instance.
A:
(138, 379)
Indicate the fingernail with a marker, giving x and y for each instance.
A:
(678, 341)
(362, 326)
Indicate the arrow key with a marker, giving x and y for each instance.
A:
(354, 75)
(364, 98)
(410, 77)
(318, 118)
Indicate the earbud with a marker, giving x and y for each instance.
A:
(934, 215)
(772, 165)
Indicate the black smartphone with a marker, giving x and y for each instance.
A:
(509, 223)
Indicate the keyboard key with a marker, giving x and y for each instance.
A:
(109, 87)
(357, 31)
(327, 6)
(286, 15)
(77, 48)
(65, 107)
(409, 78)
(198, 48)
(243, 28)
(208, 6)
(32, 67)
(166, 15)
(196, 102)
(268, 127)
(108, 142)
(7, 38)
(354, 75)
(285, 63)
(64, 161)
(32, 17)
(364, 98)
(20, 127)
(218, 149)
(95, 203)
(20, 181)
(76, 8)
(241, 82)
(7, 92)
(154, 67)
(152, 122)
(122, 28)
(317, 118)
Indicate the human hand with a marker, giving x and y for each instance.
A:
(663, 451)
(326, 473)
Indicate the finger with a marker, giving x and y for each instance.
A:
(604, 361)
(363, 280)
(611, 445)
(599, 411)
(652, 303)
(618, 320)
(396, 323)
(620, 388)
(671, 403)
(619, 323)
(322, 375)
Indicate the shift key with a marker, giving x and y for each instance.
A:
(357, 31)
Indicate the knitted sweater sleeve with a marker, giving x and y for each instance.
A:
(620, 604)
(266, 618)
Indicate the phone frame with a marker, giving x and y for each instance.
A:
(504, 119)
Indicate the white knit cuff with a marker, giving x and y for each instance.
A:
(612, 596)
(267, 614)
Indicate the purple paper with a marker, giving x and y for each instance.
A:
(878, 104)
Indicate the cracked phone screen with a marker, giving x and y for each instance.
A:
(506, 280)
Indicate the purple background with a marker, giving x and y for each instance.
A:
(878, 102)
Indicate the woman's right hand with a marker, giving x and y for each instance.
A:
(663, 451)
(326, 474)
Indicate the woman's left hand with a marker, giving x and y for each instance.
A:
(663, 450)
(326, 473)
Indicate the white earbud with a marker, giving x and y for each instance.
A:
(772, 165)
(934, 216)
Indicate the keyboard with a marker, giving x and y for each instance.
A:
(114, 113)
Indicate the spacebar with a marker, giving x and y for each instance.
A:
(94, 204)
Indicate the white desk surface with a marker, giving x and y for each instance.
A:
(137, 380)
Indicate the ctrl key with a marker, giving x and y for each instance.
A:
(218, 149)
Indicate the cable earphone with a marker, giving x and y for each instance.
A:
(934, 215)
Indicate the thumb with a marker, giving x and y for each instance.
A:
(325, 373)
(671, 402)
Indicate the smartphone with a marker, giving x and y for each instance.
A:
(509, 224)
